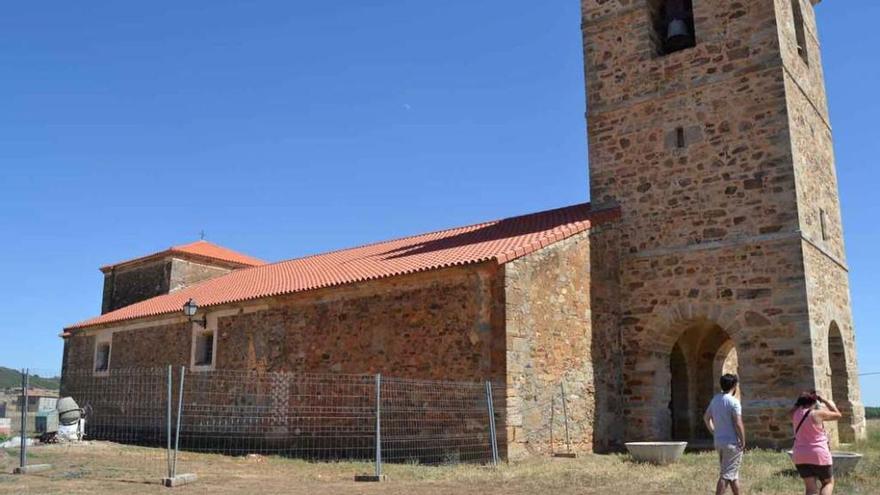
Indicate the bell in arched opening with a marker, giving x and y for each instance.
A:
(679, 25)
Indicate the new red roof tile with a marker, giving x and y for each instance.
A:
(501, 241)
(198, 249)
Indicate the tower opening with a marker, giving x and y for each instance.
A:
(673, 25)
(678, 407)
(799, 30)
(839, 375)
(703, 353)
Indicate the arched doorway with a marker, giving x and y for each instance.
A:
(839, 377)
(679, 407)
(702, 354)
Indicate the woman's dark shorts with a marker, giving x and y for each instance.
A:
(823, 473)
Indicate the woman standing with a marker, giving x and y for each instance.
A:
(811, 452)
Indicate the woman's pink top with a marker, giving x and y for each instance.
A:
(811, 442)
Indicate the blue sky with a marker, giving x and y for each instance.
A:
(287, 128)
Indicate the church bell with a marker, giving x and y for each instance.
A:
(678, 35)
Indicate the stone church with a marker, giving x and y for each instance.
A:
(713, 243)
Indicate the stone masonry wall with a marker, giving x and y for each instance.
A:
(549, 341)
(126, 286)
(711, 226)
(605, 297)
(445, 325)
(829, 300)
(824, 252)
(442, 325)
(185, 273)
(750, 293)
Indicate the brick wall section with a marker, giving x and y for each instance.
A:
(549, 340)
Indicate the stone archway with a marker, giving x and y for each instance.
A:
(703, 352)
(679, 407)
(838, 370)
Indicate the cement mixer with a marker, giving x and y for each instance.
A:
(65, 423)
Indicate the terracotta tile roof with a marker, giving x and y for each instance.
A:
(198, 249)
(501, 241)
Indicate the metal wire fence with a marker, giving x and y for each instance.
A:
(324, 417)
(128, 407)
(305, 416)
(165, 419)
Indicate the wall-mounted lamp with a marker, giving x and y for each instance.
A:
(190, 308)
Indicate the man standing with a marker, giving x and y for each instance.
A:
(724, 419)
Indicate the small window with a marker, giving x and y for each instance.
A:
(799, 30)
(674, 27)
(102, 357)
(679, 137)
(823, 221)
(203, 348)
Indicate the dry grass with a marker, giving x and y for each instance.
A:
(107, 468)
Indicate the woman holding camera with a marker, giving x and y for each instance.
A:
(812, 452)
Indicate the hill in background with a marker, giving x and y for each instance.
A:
(10, 378)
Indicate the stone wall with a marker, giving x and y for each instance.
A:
(443, 325)
(720, 158)
(754, 294)
(607, 340)
(128, 285)
(446, 324)
(836, 375)
(132, 283)
(185, 273)
(549, 341)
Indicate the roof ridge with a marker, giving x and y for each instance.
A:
(423, 234)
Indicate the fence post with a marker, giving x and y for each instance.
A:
(493, 438)
(565, 413)
(175, 479)
(168, 417)
(552, 422)
(23, 467)
(177, 433)
(24, 407)
(379, 425)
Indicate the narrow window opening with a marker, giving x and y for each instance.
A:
(799, 31)
(204, 355)
(674, 27)
(102, 357)
(679, 137)
(823, 221)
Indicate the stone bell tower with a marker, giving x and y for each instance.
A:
(708, 125)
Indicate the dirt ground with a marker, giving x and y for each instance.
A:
(94, 468)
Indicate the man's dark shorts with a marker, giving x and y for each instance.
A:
(822, 473)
